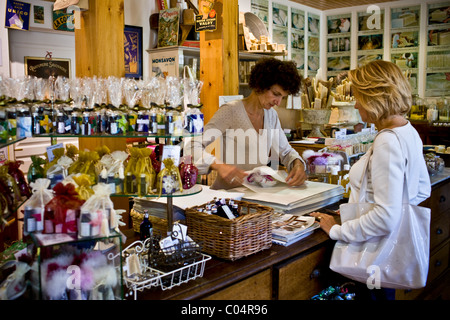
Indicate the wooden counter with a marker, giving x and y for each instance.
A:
(255, 276)
(301, 270)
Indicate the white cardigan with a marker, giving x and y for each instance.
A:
(239, 143)
(385, 184)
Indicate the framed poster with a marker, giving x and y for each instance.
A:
(44, 68)
(63, 20)
(168, 27)
(132, 46)
(17, 15)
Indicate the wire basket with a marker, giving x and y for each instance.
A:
(165, 268)
(232, 239)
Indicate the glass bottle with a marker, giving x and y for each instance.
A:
(49, 216)
(29, 220)
(334, 176)
(142, 122)
(142, 189)
(24, 122)
(36, 123)
(84, 229)
(169, 123)
(3, 126)
(418, 110)
(60, 125)
(345, 170)
(146, 227)
(11, 115)
(345, 183)
(85, 125)
(129, 189)
(111, 181)
(444, 113)
(153, 126)
(432, 113)
(74, 123)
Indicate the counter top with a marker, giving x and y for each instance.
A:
(440, 177)
(221, 273)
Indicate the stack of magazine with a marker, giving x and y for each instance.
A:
(288, 228)
(300, 200)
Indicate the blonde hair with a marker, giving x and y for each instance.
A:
(382, 89)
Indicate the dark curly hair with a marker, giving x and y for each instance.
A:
(270, 71)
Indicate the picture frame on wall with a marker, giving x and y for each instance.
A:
(132, 46)
(42, 67)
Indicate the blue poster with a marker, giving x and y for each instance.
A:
(133, 51)
(17, 15)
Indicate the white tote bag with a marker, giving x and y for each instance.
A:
(398, 260)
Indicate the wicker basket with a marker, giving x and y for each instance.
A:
(159, 225)
(232, 239)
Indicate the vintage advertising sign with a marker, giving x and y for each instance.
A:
(17, 15)
(63, 21)
(206, 20)
(169, 23)
(44, 68)
(165, 63)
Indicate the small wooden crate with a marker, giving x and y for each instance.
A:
(232, 239)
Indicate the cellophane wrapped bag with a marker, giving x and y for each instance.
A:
(64, 207)
(188, 172)
(41, 195)
(98, 213)
(169, 180)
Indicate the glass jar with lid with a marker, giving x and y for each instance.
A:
(432, 110)
(418, 109)
(444, 110)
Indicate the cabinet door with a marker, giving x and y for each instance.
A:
(257, 287)
(438, 263)
(439, 229)
(439, 200)
(304, 277)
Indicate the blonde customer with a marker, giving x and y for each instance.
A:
(383, 97)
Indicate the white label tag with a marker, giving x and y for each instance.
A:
(179, 231)
(228, 212)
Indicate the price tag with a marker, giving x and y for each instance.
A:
(170, 151)
(50, 151)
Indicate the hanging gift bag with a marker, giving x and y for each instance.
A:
(398, 260)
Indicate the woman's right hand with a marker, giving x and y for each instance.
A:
(230, 174)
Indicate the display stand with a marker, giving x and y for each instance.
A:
(51, 246)
(168, 140)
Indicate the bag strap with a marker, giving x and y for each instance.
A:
(364, 179)
(405, 179)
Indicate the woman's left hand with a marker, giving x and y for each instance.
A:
(325, 221)
(297, 176)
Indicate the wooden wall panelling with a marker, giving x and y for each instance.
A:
(219, 57)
